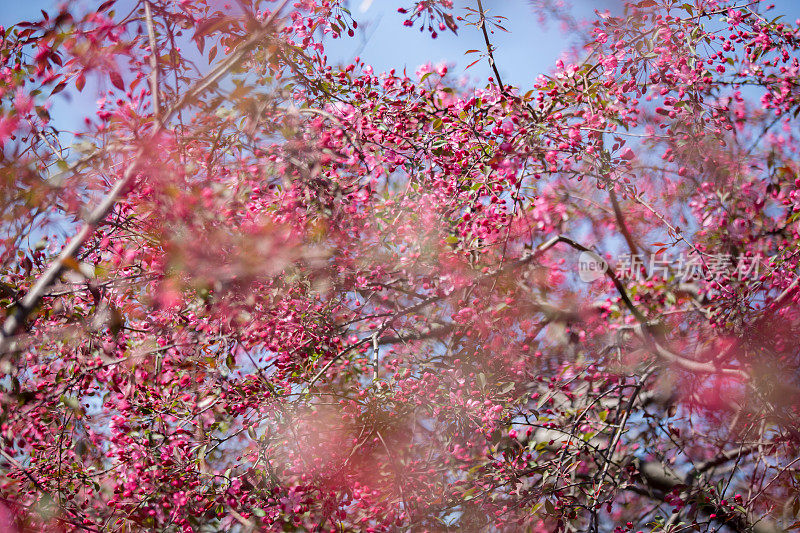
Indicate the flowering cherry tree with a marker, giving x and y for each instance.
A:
(259, 291)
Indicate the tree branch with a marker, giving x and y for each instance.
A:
(151, 34)
(489, 47)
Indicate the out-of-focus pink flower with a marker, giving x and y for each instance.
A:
(7, 126)
(23, 103)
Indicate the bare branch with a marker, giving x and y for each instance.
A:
(151, 34)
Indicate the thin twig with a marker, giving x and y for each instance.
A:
(489, 47)
(151, 34)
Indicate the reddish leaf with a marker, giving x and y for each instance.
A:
(80, 82)
(116, 80)
(58, 88)
(211, 25)
(448, 19)
(105, 5)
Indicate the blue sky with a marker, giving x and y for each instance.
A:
(522, 54)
